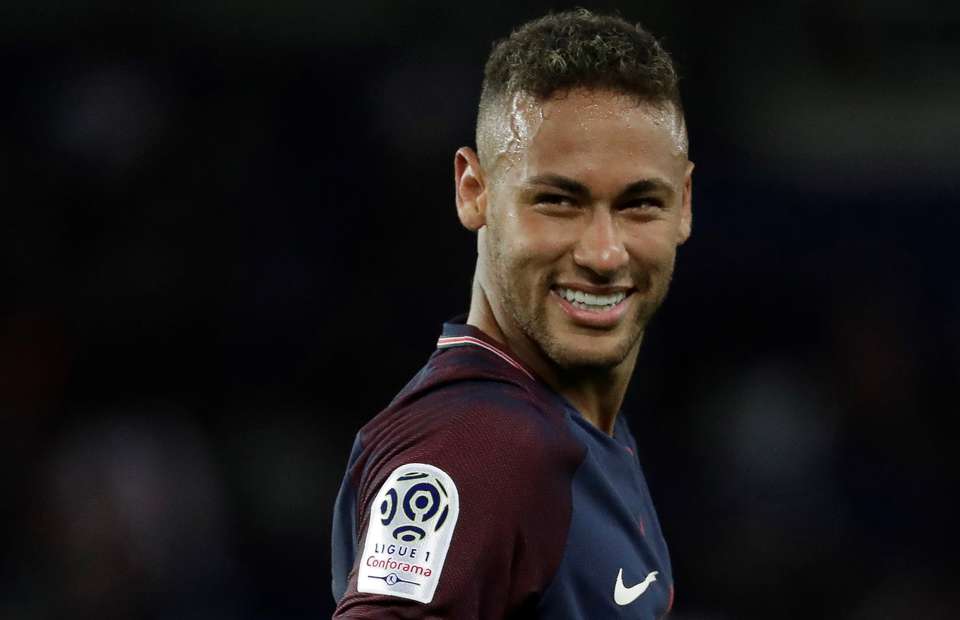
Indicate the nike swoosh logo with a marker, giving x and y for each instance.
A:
(623, 595)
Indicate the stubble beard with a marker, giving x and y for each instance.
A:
(536, 327)
(528, 311)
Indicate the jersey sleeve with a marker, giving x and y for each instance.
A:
(462, 507)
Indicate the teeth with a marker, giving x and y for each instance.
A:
(589, 301)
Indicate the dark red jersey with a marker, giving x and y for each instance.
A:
(479, 492)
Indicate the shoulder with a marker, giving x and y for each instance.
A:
(494, 438)
(482, 418)
(466, 465)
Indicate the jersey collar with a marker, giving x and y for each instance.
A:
(456, 333)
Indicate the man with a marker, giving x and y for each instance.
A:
(501, 482)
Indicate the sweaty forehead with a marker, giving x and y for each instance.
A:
(580, 118)
(592, 129)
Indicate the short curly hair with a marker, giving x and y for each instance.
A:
(578, 49)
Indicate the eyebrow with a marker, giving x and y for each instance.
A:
(579, 189)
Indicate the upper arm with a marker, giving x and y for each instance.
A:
(462, 509)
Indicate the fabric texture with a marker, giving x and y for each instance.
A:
(545, 499)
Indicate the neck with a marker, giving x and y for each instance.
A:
(597, 393)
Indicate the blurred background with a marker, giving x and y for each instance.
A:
(228, 238)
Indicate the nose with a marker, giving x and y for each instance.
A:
(600, 247)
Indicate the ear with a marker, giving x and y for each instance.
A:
(686, 213)
(471, 189)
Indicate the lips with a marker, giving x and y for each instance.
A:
(598, 308)
(590, 301)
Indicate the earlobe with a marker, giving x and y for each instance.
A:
(470, 189)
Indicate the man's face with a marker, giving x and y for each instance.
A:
(587, 202)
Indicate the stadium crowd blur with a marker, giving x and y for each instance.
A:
(229, 238)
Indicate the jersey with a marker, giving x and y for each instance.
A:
(481, 493)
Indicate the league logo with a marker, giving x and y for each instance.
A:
(417, 504)
(411, 524)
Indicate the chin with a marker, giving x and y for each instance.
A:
(588, 355)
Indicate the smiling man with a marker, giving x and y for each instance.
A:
(502, 481)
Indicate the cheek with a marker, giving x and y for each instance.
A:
(537, 239)
(652, 246)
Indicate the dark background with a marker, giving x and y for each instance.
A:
(228, 238)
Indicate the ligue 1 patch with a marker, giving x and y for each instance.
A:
(411, 524)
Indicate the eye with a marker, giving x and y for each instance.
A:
(556, 205)
(553, 199)
(642, 205)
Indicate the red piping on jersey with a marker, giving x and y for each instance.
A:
(451, 341)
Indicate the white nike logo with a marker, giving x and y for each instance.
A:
(624, 596)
